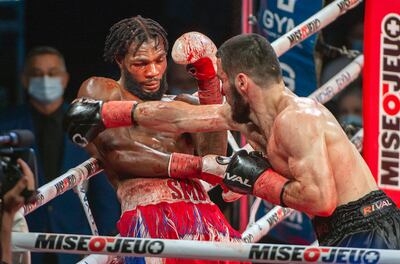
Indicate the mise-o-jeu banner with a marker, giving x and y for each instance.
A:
(382, 94)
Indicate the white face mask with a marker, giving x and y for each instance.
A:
(45, 89)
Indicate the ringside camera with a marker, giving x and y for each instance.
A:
(14, 145)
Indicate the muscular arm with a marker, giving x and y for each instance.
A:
(312, 189)
(127, 158)
(180, 117)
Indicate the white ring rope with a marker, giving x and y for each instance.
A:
(313, 24)
(170, 248)
(253, 211)
(63, 183)
(338, 82)
(82, 194)
(262, 226)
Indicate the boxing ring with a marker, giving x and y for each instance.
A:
(102, 246)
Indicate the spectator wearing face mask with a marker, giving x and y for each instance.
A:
(349, 108)
(45, 79)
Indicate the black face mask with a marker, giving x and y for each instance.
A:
(136, 89)
(240, 109)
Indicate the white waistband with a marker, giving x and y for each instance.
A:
(141, 191)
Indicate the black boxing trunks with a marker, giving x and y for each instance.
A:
(372, 221)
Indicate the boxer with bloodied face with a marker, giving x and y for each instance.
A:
(305, 160)
(149, 168)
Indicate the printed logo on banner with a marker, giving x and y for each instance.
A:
(389, 109)
(314, 254)
(99, 244)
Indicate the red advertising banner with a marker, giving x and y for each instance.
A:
(381, 94)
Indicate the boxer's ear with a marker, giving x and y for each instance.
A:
(241, 82)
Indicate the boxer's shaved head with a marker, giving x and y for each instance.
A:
(253, 55)
(132, 30)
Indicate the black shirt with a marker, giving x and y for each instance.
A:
(50, 140)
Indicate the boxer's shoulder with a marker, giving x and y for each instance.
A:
(303, 109)
(100, 88)
(297, 121)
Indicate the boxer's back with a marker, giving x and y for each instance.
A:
(307, 119)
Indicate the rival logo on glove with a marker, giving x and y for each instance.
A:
(236, 178)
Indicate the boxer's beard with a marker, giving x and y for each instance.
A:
(136, 89)
(240, 109)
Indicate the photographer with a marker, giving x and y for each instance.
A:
(12, 201)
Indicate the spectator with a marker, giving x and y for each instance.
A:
(45, 79)
(355, 39)
(349, 109)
